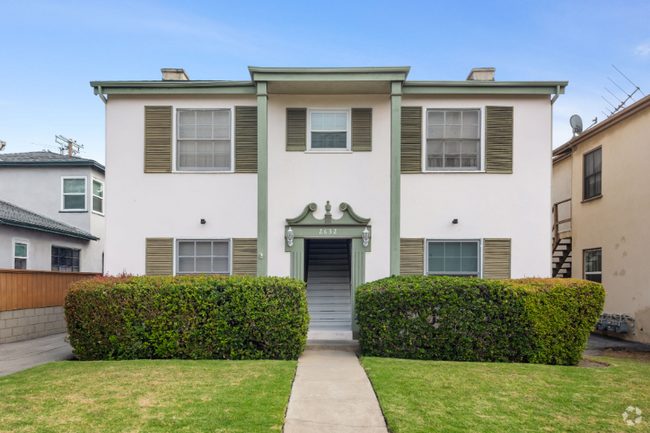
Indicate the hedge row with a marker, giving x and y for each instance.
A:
(191, 317)
(545, 321)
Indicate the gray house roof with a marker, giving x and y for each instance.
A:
(13, 215)
(45, 158)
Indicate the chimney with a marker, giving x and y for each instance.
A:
(481, 74)
(170, 74)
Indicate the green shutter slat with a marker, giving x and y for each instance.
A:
(499, 123)
(362, 129)
(496, 259)
(244, 256)
(411, 256)
(411, 140)
(159, 256)
(296, 129)
(158, 139)
(246, 139)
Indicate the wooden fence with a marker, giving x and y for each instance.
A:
(35, 289)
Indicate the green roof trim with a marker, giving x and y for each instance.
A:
(390, 73)
(174, 87)
(484, 87)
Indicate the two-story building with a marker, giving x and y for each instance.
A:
(51, 212)
(337, 176)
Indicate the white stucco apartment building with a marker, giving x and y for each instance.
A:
(337, 176)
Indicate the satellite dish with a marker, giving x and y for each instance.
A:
(3, 144)
(576, 124)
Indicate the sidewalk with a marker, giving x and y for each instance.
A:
(22, 355)
(331, 393)
(598, 343)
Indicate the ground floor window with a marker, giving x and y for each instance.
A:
(457, 258)
(594, 265)
(65, 259)
(20, 256)
(203, 256)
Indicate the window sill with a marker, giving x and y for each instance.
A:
(328, 151)
(73, 211)
(592, 199)
(453, 171)
(97, 213)
(204, 172)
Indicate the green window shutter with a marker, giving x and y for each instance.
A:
(499, 123)
(159, 256)
(158, 139)
(246, 139)
(411, 256)
(362, 129)
(244, 256)
(296, 129)
(412, 140)
(496, 259)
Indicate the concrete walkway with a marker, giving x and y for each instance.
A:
(22, 355)
(331, 393)
(597, 343)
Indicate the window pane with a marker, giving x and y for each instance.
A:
(20, 264)
(593, 261)
(329, 121)
(329, 140)
(187, 131)
(220, 248)
(186, 248)
(589, 164)
(470, 131)
(204, 265)
(204, 117)
(187, 117)
(98, 205)
(469, 264)
(597, 160)
(204, 131)
(71, 202)
(452, 249)
(222, 125)
(596, 278)
(220, 265)
(186, 264)
(20, 250)
(204, 248)
(452, 264)
(452, 118)
(470, 117)
(436, 117)
(222, 155)
(98, 188)
(74, 185)
(452, 131)
(453, 258)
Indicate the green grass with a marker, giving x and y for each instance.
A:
(426, 396)
(147, 396)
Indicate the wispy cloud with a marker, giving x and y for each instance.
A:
(643, 49)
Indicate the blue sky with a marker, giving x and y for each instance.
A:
(51, 50)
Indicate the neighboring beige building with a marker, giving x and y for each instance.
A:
(603, 175)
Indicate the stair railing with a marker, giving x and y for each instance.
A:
(557, 221)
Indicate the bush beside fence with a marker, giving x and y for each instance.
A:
(191, 317)
(461, 319)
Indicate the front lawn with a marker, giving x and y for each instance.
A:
(147, 396)
(426, 396)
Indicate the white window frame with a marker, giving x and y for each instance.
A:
(348, 135)
(584, 264)
(195, 239)
(13, 252)
(63, 194)
(92, 194)
(481, 157)
(176, 153)
(479, 241)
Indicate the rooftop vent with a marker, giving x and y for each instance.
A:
(170, 74)
(481, 74)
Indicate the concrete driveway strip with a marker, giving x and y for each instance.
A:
(22, 355)
(331, 393)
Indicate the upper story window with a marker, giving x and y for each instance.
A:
(593, 165)
(329, 130)
(74, 193)
(20, 255)
(453, 139)
(204, 140)
(453, 258)
(98, 196)
(203, 257)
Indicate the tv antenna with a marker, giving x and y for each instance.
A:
(3, 144)
(68, 145)
(622, 102)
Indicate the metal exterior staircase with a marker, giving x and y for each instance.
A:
(562, 246)
(328, 288)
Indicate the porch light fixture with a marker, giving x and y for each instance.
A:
(202, 221)
(365, 235)
(455, 221)
(290, 237)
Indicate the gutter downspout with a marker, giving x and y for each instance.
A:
(101, 94)
(557, 94)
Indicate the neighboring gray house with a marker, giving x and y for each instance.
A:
(51, 212)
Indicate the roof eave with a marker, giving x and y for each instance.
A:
(48, 230)
(485, 87)
(373, 73)
(55, 163)
(173, 87)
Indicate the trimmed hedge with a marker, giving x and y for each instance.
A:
(543, 321)
(191, 317)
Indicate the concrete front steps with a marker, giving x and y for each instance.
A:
(336, 345)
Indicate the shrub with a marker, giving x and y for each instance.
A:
(191, 317)
(466, 319)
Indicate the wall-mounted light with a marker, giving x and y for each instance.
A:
(365, 236)
(202, 221)
(454, 221)
(290, 237)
